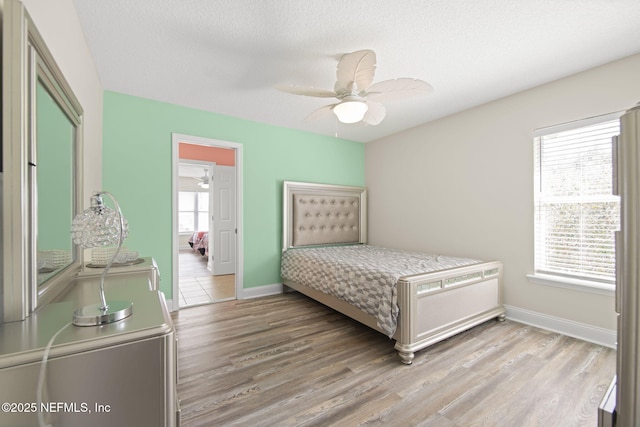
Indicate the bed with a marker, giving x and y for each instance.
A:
(414, 298)
(199, 241)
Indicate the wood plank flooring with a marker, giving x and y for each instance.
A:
(289, 361)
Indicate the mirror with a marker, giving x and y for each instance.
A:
(42, 131)
(55, 178)
(55, 189)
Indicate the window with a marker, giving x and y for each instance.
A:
(576, 213)
(193, 211)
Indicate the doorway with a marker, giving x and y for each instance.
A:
(207, 228)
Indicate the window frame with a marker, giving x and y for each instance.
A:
(572, 282)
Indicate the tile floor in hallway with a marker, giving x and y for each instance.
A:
(197, 284)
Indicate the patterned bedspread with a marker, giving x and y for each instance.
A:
(364, 276)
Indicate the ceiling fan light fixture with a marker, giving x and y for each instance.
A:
(204, 181)
(350, 111)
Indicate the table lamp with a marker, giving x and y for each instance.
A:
(96, 226)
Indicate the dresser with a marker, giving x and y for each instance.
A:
(120, 374)
(144, 267)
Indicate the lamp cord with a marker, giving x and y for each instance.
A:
(41, 376)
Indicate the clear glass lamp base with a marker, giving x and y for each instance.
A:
(94, 315)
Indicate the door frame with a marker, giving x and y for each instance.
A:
(176, 138)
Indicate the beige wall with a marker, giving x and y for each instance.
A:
(463, 184)
(58, 23)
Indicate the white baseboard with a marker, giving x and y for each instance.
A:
(170, 305)
(583, 331)
(262, 291)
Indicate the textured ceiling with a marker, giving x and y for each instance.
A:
(226, 56)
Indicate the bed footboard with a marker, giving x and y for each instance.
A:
(435, 306)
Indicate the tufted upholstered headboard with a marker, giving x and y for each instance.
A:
(323, 214)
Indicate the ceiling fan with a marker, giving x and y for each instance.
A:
(359, 99)
(203, 181)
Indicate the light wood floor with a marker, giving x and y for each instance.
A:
(289, 361)
(197, 285)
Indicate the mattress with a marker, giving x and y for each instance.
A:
(364, 276)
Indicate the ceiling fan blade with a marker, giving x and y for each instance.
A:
(355, 69)
(375, 113)
(391, 90)
(306, 91)
(320, 112)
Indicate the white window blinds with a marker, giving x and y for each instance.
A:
(576, 213)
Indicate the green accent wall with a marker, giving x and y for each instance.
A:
(137, 170)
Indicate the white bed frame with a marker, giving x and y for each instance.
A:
(432, 306)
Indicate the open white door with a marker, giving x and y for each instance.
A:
(224, 220)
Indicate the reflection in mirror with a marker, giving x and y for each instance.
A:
(55, 148)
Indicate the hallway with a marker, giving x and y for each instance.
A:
(197, 285)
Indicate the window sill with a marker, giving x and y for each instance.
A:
(573, 284)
